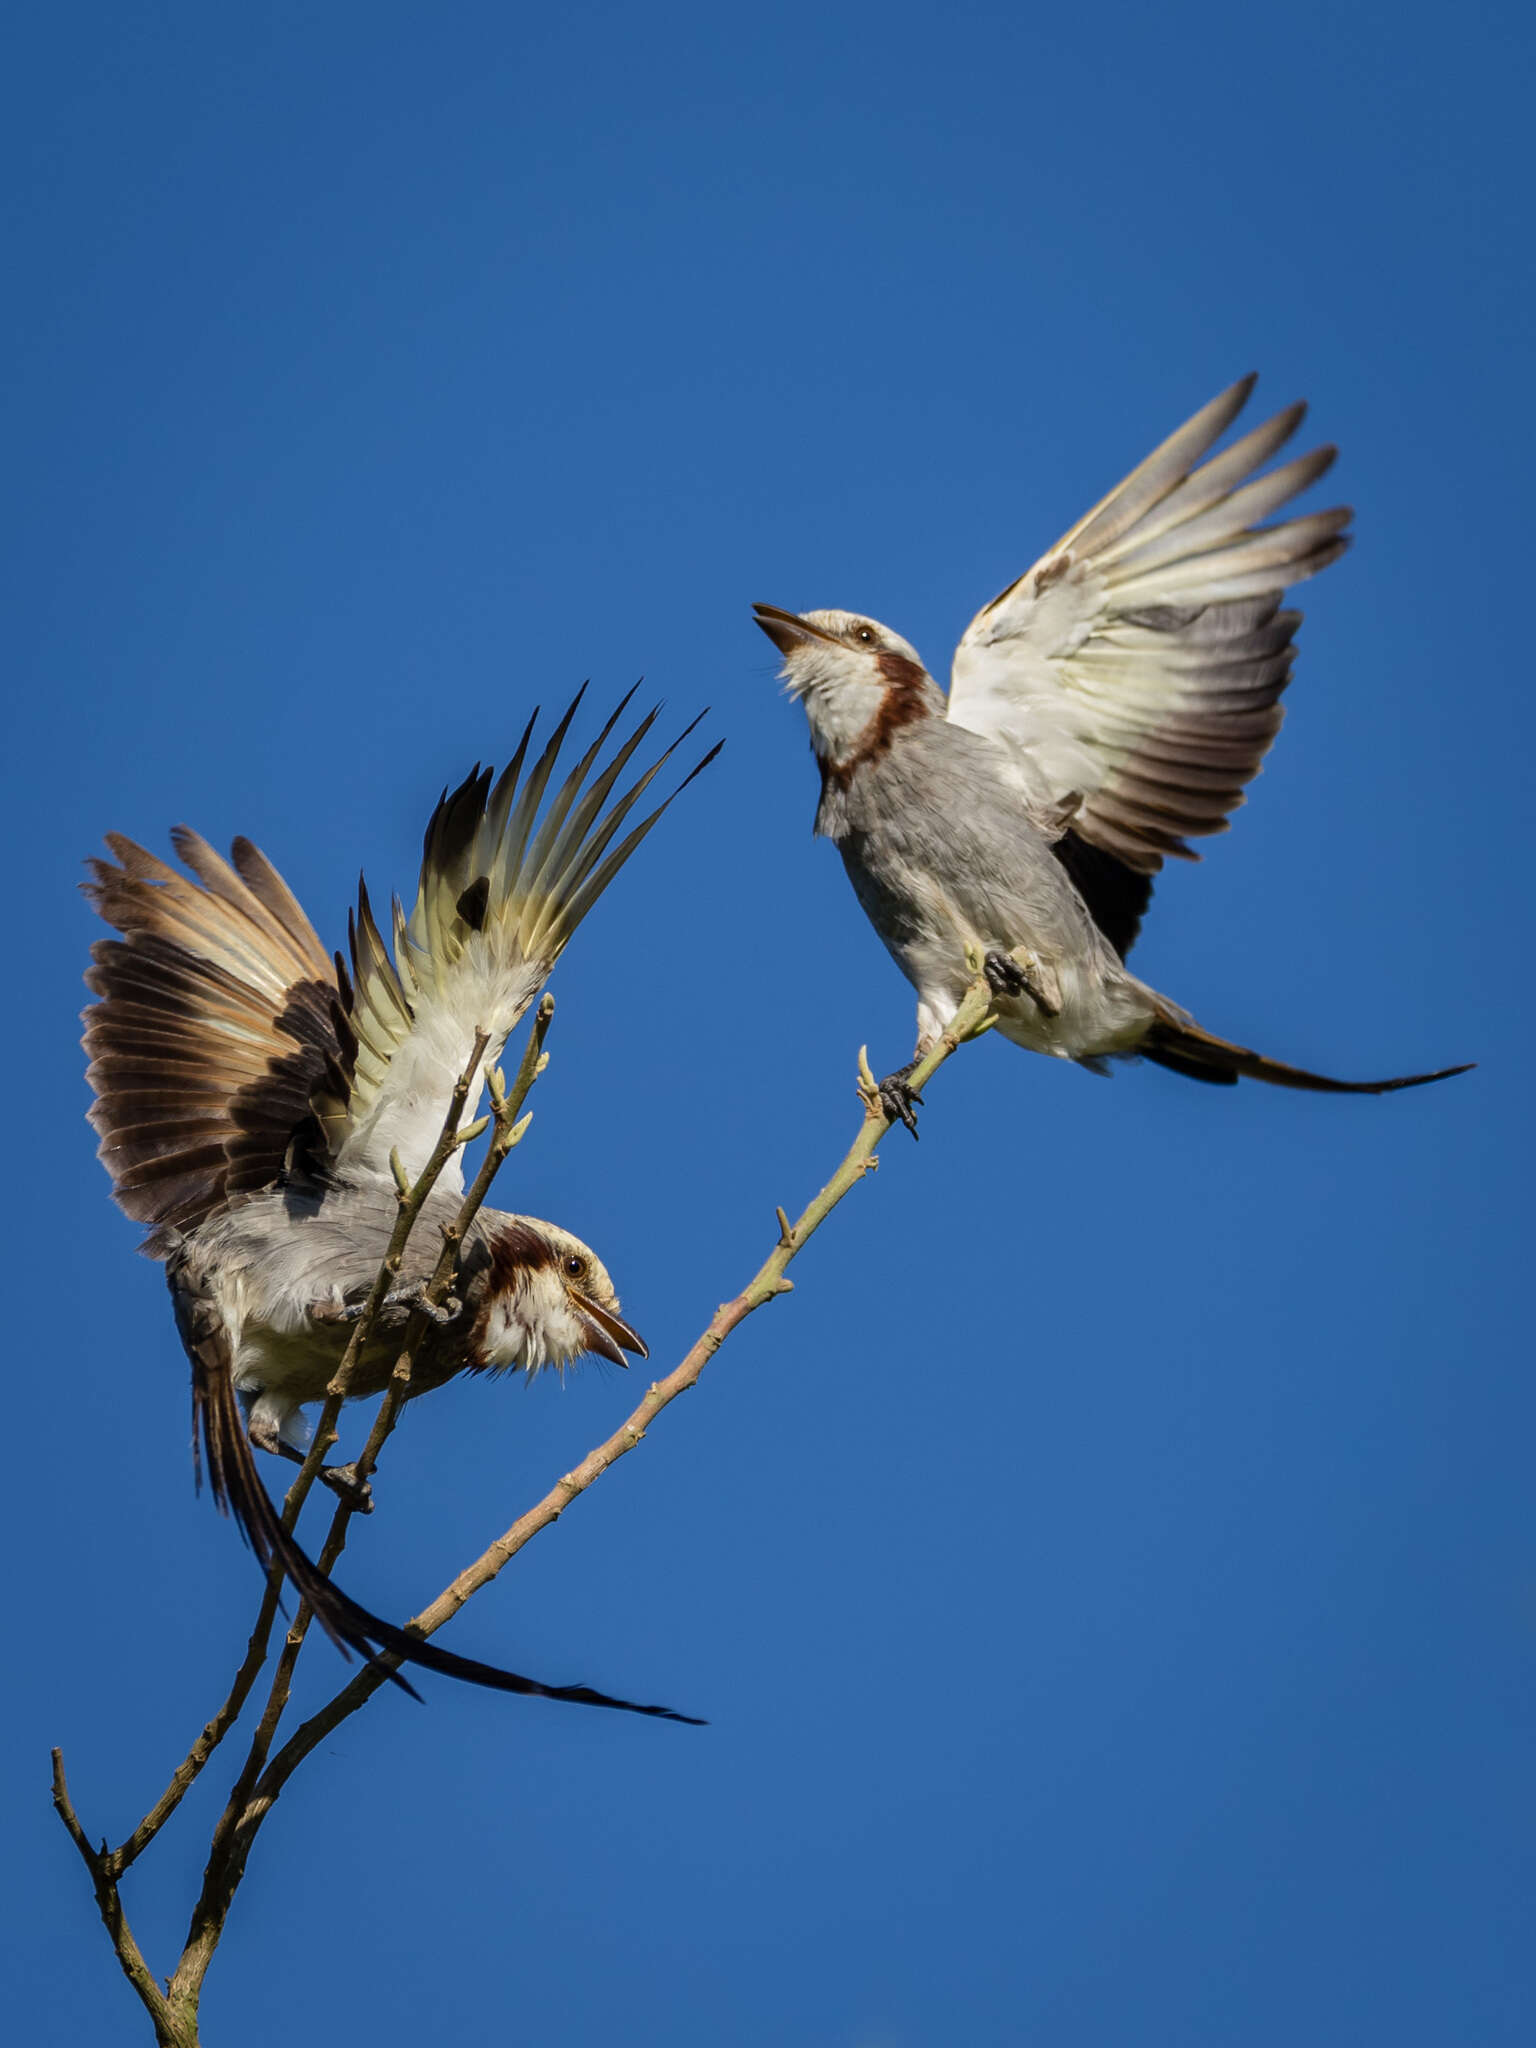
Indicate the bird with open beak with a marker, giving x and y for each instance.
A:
(255, 1097)
(1110, 705)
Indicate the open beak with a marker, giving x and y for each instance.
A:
(607, 1334)
(786, 630)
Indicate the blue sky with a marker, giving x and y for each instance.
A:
(1110, 1577)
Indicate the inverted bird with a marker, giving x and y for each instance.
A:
(251, 1089)
(1106, 708)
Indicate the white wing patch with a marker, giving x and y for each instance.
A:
(1139, 663)
(502, 889)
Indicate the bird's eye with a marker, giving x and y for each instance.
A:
(575, 1265)
(865, 635)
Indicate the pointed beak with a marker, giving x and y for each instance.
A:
(786, 630)
(607, 1334)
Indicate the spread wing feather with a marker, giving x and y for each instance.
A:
(227, 1047)
(1139, 663)
(219, 1017)
(502, 889)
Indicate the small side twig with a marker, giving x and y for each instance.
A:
(170, 2032)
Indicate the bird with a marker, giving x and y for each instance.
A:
(1104, 709)
(256, 1097)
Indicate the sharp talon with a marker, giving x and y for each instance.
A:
(343, 1480)
(331, 1312)
(449, 1310)
(1005, 977)
(898, 1101)
(1008, 977)
(408, 1297)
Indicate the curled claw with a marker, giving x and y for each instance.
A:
(412, 1296)
(898, 1100)
(449, 1312)
(1009, 976)
(344, 1482)
(341, 1311)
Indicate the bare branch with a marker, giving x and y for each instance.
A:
(972, 1018)
(174, 2012)
(242, 1817)
(116, 1861)
(411, 1198)
(170, 2029)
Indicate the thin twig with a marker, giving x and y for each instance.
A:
(242, 1817)
(174, 2012)
(972, 1018)
(116, 1861)
(169, 2030)
(412, 1197)
(411, 1202)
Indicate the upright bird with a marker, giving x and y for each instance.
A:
(251, 1090)
(1107, 707)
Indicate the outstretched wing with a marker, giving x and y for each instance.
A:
(502, 889)
(1139, 663)
(220, 1439)
(220, 1018)
(228, 1049)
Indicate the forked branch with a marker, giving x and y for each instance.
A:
(263, 1775)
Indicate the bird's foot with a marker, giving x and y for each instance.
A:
(343, 1480)
(1008, 975)
(897, 1099)
(441, 1313)
(412, 1296)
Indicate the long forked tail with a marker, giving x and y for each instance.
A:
(219, 1437)
(1186, 1049)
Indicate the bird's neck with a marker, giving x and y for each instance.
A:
(854, 728)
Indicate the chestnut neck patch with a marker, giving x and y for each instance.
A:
(517, 1248)
(904, 702)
